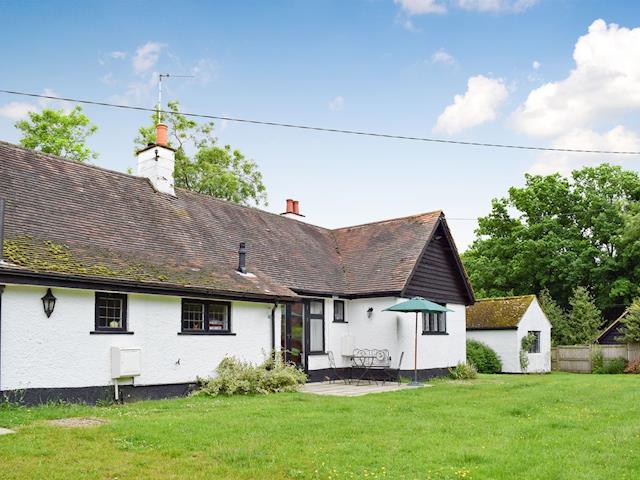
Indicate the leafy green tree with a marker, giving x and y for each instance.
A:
(583, 323)
(204, 167)
(58, 133)
(556, 315)
(631, 324)
(557, 232)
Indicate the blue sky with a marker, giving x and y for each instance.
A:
(379, 65)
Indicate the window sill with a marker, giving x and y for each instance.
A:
(208, 333)
(435, 333)
(316, 353)
(339, 321)
(107, 332)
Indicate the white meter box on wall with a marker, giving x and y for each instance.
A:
(125, 362)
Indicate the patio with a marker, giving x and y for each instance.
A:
(340, 389)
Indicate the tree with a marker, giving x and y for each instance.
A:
(631, 324)
(583, 323)
(204, 167)
(558, 232)
(557, 316)
(58, 133)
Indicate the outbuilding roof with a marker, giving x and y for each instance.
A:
(75, 220)
(497, 313)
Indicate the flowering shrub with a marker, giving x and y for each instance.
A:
(237, 377)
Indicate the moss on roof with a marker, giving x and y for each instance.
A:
(498, 312)
(47, 256)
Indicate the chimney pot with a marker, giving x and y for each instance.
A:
(296, 207)
(289, 206)
(162, 135)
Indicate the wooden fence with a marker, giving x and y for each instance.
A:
(577, 358)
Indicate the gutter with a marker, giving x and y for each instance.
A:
(27, 277)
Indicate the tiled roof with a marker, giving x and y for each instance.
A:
(497, 313)
(73, 219)
(370, 265)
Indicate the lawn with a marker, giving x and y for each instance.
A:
(558, 426)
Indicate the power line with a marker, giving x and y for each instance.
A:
(325, 129)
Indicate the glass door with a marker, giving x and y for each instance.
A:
(292, 338)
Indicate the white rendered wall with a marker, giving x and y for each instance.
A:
(394, 332)
(504, 343)
(535, 319)
(56, 352)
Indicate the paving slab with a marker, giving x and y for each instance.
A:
(340, 389)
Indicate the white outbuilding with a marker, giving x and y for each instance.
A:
(502, 322)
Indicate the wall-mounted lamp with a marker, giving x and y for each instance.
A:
(370, 312)
(49, 303)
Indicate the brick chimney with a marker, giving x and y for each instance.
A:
(292, 210)
(157, 160)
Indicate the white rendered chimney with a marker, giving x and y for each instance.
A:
(157, 161)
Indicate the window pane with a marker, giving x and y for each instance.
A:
(315, 335)
(109, 312)
(425, 322)
(433, 322)
(338, 310)
(442, 322)
(535, 345)
(193, 316)
(218, 317)
(316, 307)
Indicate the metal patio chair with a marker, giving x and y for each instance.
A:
(334, 369)
(393, 374)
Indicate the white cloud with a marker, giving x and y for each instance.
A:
(118, 55)
(20, 110)
(421, 7)
(146, 56)
(441, 56)
(495, 6)
(619, 139)
(603, 86)
(138, 92)
(535, 65)
(478, 105)
(17, 110)
(203, 70)
(336, 103)
(424, 7)
(108, 79)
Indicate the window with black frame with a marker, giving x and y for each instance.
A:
(535, 345)
(338, 311)
(110, 312)
(199, 316)
(316, 326)
(434, 323)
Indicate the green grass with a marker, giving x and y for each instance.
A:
(558, 426)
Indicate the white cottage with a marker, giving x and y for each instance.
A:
(111, 279)
(501, 323)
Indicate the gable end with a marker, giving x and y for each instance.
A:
(439, 274)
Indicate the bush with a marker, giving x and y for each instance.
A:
(613, 366)
(237, 377)
(483, 358)
(632, 367)
(463, 371)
